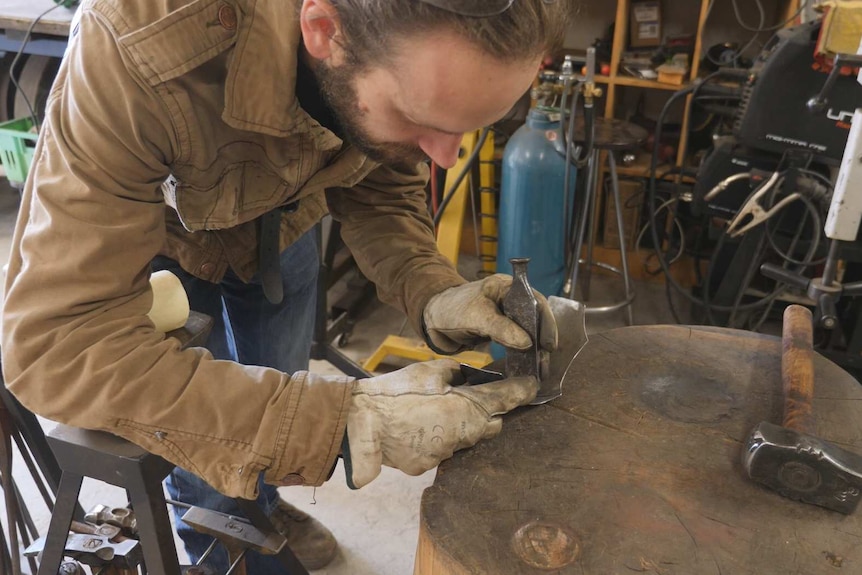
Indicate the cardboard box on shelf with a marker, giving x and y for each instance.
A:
(645, 23)
(670, 74)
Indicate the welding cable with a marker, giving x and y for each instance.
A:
(677, 224)
(578, 157)
(636, 202)
(463, 174)
(564, 145)
(755, 261)
(786, 264)
(754, 265)
(739, 52)
(698, 246)
(757, 31)
(568, 211)
(796, 238)
(802, 6)
(818, 176)
(817, 222)
(651, 203)
(27, 36)
(761, 28)
(750, 272)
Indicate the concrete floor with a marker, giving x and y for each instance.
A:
(376, 526)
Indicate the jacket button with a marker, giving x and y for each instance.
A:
(207, 269)
(227, 17)
(292, 479)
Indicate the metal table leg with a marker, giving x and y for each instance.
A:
(594, 191)
(586, 225)
(581, 227)
(615, 185)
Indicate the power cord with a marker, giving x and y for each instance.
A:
(17, 58)
(802, 6)
(761, 27)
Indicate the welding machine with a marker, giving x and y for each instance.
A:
(774, 116)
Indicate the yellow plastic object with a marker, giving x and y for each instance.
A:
(17, 146)
(418, 351)
(452, 221)
(449, 232)
(488, 193)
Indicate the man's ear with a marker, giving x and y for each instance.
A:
(320, 27)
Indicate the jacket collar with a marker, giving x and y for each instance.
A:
(260, 88)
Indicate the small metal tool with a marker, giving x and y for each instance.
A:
(96, 550)
(71, 568)
(478, 376)
(233, 532)
(520, 305)
(120, 516)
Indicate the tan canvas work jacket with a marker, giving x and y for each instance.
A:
(171, 128)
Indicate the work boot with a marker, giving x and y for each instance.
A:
(312, 543)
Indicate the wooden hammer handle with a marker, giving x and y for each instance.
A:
(797, 369)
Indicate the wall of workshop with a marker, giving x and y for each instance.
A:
(679, 18)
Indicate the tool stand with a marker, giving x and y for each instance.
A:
(66, 455)
(611, 136)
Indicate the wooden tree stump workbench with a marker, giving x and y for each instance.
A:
(636, 469)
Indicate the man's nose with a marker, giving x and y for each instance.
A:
(442, 148)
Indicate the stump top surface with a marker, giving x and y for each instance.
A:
(637, 468)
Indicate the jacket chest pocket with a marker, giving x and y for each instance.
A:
(242, 192)
(255, 180)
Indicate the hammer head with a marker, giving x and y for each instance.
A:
(804, 468)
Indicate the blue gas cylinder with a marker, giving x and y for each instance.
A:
(532, 219)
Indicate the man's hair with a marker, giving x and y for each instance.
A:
(527, 29)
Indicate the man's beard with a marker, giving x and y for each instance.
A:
(339, 91)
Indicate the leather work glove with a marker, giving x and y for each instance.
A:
(465, 315)
(414, 418)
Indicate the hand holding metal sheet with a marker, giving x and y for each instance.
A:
(467, 315)
(413, 418)
(521, 306)
(570, 316)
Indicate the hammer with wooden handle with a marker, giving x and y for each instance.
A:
(789, 458)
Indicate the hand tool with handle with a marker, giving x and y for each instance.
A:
(520, 305)
(96, 550)
(789, 458)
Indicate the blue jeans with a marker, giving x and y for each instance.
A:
(251, 330)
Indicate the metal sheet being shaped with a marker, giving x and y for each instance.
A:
(570, 316)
